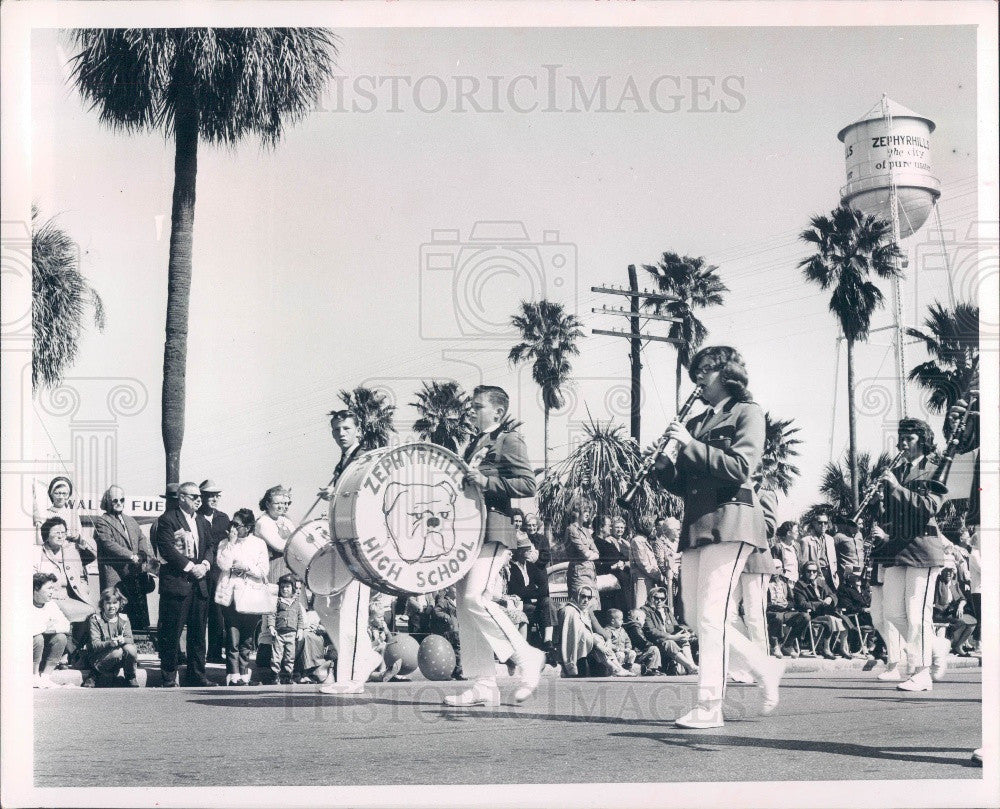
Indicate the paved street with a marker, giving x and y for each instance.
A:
(828, 726)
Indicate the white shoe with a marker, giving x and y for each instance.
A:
(477, 695)
(531, 674)
(939, 667)
(702, 716)
(920, 681)
(769, 683)
(741, 676)
(977, 756)
(891, 674)
(350, 687)
(44, 681)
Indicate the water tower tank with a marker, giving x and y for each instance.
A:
(890, 138)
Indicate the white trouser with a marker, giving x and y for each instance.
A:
(484, 629)
(709, 578)
(908, 604)
(751, 591)
(890, 635)
(345, 619)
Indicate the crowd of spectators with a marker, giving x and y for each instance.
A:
(224, 581)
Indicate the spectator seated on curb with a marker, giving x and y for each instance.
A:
(621, 644)
(853, 601)
(648, 652)
(112, 648)
(813, 597)
(949, 608)
(785, 624)
(584, 644)
(673, 640)
(50, 630)
(378, 631)
(317, 654)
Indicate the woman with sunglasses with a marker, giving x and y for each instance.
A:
(122, 548)
(274, 527)
(718, 452)
(242, 560)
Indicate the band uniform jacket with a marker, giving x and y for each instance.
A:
(508, 475)
(116, 544)
(913, 533)
(173, 580)
(761, 561)
(713, 475)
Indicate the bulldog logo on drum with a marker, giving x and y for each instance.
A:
(420, 519)
(403, 522)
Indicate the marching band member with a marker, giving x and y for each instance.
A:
(723, 524)
(483, 627)
(345, 616)
(914, 547)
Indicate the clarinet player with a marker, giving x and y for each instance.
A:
(723, 523)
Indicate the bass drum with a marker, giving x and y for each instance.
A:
(403, 523)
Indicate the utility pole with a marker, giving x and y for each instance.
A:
(634, 335)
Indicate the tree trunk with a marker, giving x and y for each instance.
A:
(852, 451)
(179, 286)
(545, 461)
(677, 382)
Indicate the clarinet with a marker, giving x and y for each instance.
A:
(664, 445)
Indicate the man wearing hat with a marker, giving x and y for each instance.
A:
(529, 581)
(219, 520)
(849, 544)
(914, 550)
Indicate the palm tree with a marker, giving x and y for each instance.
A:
(952, 341)
(60, 295)
(776, 471)
(696, 286)
(549, 337)
(213, 84)
(445, 414)
(599, 471)
(375, 414)
(836, 485)
(850, 247)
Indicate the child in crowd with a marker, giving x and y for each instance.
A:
(648, 653)
(378, 631)
(619, 640)
(285, 628)
(50, 630)
(112, 648)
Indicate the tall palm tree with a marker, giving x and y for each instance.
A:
(850, 248)
(60, 295)
(696, 285)
(836, 485)
(445, 414)
(776, 471)
(952, 340)
(549, 338)
(374, 412)
(213, 84)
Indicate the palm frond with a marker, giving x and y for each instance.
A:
(374, 412)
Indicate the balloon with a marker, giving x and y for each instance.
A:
(402, 647)
(436, 658)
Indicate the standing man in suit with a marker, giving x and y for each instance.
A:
(345, 616)
(184, 540)
(483, 627)
(122, 549)
(219, 521)
(818, 546)
(719, 451)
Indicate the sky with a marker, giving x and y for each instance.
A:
(349, 254)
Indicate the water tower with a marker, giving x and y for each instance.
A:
(888, 157)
